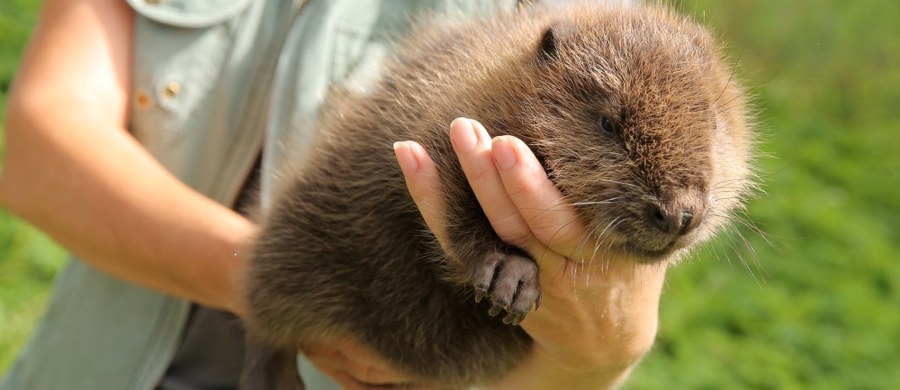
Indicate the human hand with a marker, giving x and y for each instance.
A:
(354, 366)
(599, 310)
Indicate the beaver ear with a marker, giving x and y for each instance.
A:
(551, 40)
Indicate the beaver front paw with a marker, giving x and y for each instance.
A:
(510, 281)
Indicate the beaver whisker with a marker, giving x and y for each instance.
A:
(739, 244)
(730, 78)
(608, 201)
(615, 222)
(618, 182)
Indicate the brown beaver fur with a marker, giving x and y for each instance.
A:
(633, 113)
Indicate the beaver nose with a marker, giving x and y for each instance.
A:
(676, 219)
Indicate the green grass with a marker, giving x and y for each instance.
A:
(28, 259)
(818, 307)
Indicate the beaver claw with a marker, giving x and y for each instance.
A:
(479, 294)
(510, 282)
(513, 318)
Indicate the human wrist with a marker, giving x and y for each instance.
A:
(607, 347)
(224, 286)
(544, 370)
(234, 296)
(602, 323)
(237, 268)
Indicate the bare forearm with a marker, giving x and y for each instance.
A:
(72, 169)
(110, 203)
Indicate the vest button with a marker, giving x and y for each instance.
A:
(172, 89)
(142, 98)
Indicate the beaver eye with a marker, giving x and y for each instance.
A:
(608, 127)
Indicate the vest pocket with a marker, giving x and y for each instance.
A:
(181, 48)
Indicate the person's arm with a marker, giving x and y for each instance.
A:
(596, 319)
(72, 169)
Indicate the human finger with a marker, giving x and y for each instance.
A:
(546, 212)
(423, 184)
(472, 145)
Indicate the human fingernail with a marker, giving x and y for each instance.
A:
(464, 138)
(406, 158)
(504, 153)
(481, 133)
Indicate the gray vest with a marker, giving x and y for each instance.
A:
(215, 81)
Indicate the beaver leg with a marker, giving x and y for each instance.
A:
(504, 274)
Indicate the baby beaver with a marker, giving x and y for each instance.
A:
(631, 110)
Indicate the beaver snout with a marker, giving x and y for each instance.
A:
(677, 216)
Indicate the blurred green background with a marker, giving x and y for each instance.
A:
(814, 304)
(28, 259)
